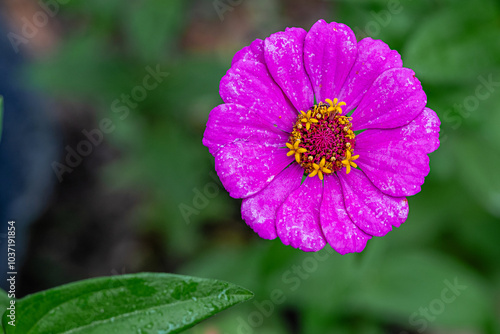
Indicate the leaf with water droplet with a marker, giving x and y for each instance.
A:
(137, 303)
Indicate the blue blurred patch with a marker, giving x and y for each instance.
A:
(29, 145)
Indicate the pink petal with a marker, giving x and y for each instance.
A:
(231, 122)
(395, 98)
(374, 58)
(330, 50)
(370, 209)
(248, 83)
(339, 230)
(245, 168)
(284, 54)
(259, 210)
(298, 219)
(254, 51)
(395, 160)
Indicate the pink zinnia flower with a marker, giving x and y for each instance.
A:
(286, 143)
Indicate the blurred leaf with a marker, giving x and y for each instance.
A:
(477, 234)
(4, 299)
(315, 322)
(402, 285)
(84, 66)
(239, 265)
(4, 303)
(389, 21)
(236, 320)
(455, 43)
(480, 176)
(126, 304)
(153, 26)
(301, 275)
(102, 14)
(181, 176)
(193, 88)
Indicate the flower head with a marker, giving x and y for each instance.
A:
(336, 171)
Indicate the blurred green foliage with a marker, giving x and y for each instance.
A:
(453, 230)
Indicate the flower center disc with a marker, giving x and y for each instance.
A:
(322, 140)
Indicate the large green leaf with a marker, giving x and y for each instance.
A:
(138, 303)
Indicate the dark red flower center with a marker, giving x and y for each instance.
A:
(322, 140)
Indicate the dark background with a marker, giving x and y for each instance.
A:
(147, 199)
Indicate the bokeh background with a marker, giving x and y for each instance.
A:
(147, 197)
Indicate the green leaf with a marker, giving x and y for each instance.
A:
(4, 298)
(138, 303)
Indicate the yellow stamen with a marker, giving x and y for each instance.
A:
(335, 105)
(348, 161)
(308, 119)
(345, 120)
(294, 149)
(320, 169)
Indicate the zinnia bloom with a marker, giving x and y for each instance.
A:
(322, 137)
